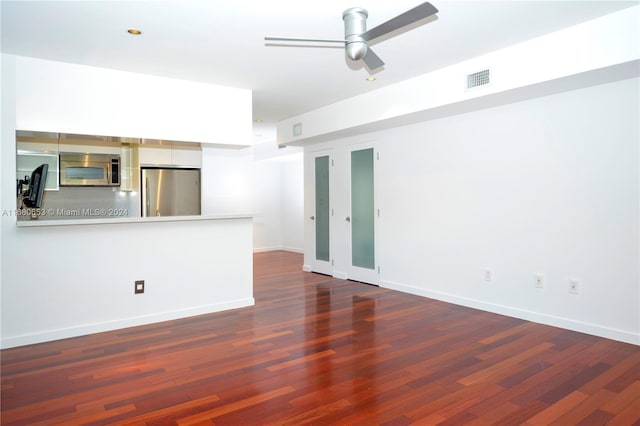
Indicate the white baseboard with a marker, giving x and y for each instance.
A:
(340, 275)
(64, 333)
(264, 249)
(285, 248)
(334, 274)
(566, 323)
(293, 249)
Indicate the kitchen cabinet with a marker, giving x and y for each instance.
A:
(173, 154)
(70, 143)
(154, 155)
(186, 156)
(89, 144)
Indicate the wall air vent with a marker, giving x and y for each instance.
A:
(477, 79)
(297, 129)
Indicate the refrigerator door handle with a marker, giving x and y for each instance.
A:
(148, 202)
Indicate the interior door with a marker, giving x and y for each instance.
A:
(362, 215)
(322, 213)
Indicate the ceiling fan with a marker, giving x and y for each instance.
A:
(356, 36)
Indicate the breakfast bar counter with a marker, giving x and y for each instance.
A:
(119, 220)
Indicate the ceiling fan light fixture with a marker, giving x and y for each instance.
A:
(356, 50)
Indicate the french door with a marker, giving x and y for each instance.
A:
(322, 213)
(362, 217)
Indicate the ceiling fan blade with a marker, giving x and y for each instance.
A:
(372, 61)
(302, 40)
(419, 12)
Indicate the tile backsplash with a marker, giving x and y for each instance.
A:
(88, 203)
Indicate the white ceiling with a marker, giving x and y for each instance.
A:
(222, 41)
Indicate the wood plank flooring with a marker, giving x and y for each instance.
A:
(316, 350)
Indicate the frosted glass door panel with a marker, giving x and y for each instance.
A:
(362, 209)
(322, 208)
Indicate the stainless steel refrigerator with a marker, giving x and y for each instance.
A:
(170, 192)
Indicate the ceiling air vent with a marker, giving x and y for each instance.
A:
(477, 79)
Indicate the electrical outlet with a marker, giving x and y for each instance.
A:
(574, 286)
(138, 287)
(539, 281)
(488, 275)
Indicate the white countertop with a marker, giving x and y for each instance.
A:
(118, 220)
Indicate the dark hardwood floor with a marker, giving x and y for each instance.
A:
(316, 350)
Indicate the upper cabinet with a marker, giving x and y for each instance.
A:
(90, 144)
(154, 152)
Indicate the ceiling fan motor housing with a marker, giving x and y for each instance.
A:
(355, 24)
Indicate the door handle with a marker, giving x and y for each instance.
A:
(312, 218)
(148, 206)
(348, 219)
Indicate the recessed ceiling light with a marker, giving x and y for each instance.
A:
(371, 79)
(258, 120)
(134, 31)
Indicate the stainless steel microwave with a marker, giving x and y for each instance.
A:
(89, 170)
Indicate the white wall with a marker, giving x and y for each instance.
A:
(60, 97)
(65, 281)
(260, 180)
(267, 204)
(226, 181)
(544, 186)
(293, 203)
(278, 198)
(83, 280)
